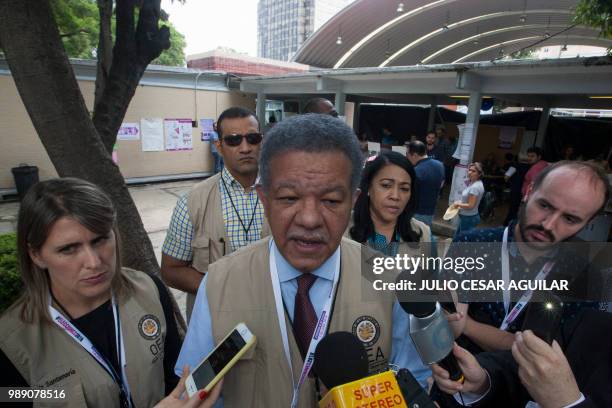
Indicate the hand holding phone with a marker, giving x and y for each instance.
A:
(220, 360)
(543, 315)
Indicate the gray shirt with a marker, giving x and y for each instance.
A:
(476, 189)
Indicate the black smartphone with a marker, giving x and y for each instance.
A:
(543, 315)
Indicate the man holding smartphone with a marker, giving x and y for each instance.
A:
(304, 281)
(573, 371)
(561, 201)
(220, 214)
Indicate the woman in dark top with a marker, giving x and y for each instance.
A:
(383, 213)
(104, 334)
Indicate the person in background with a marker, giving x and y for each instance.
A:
(514, 175)
(271, 123)
(429, 181)
(220, 214)
(217, 158)
(434, 150)
(388, 139)
(449, 161)
(444, 144)
(470, 199)
(363, 146)
(568, 153)
(489, 165)
(320, 105)
(534, 158)
(104, 333)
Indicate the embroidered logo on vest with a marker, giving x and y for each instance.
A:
(148, 327)
(367, 330)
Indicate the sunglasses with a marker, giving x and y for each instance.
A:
(236, 140)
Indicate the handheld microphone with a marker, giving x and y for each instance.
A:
(341, 363)
(431, 334)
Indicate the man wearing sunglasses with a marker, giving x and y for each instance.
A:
(320, 105)
(222, 213)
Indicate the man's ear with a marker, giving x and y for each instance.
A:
(528, 193)
(261, 194)
(35, 257)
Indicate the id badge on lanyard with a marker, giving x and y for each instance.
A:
(526, 297)
(125, 396)
(320, 328)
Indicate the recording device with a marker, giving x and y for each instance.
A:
(431, 334)
(413, 393)
(543, 315)
(341, 363)
(220, 360)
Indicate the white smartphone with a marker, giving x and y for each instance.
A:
(220, 360)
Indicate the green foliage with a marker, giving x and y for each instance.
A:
(10, 278)
(524, 54)
(596, 13)
(175, 55)
(79, 25)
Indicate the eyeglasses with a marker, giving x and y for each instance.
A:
(236, 140)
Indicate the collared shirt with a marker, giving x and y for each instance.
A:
(180, 232)
(379, 243)
(243, 214)
(199, 340)
(493, 313)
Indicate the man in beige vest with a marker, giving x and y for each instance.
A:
(220, 214)
(305, 280)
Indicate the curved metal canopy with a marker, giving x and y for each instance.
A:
(374, 33)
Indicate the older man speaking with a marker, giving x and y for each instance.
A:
(305, 276)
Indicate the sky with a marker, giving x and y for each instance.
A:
(208, 24)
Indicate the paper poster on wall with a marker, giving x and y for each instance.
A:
(152, 134)
(400, 149)
(373, 147)
(207, 129)
(460, 182)
(507, 137)
(129, 131)
(178, 133)
(466, 140)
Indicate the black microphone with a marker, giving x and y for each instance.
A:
(340, 358)
(341, 363)
(431, 333)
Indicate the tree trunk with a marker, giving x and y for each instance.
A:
(105, 47)
(49, 91)
(133, 52)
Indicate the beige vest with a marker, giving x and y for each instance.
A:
(423, 247)
(239, 289)
(46, 356)
(209, 242)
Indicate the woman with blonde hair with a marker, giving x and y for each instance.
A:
(470, 199)
(102, 334)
